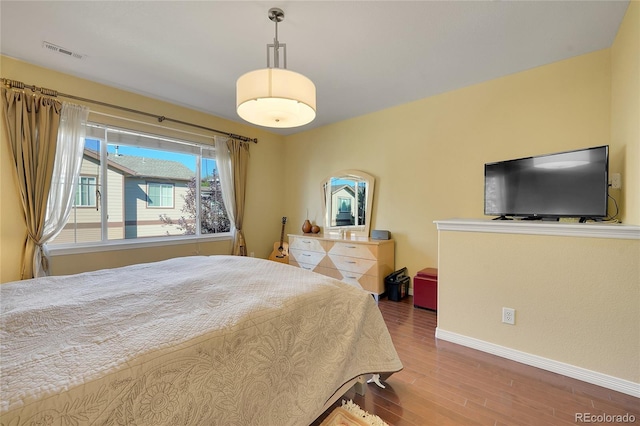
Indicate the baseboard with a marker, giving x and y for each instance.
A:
(589, 376)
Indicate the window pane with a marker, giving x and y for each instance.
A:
(166, 196)
(343, 200)
(345, 205)
(84, 224)
(160, 195)
(154, 194)
(86, 192)
(361, 202)
(146, 186)
(213, 217)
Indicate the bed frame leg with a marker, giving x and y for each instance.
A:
(359, 386)
(376, 379)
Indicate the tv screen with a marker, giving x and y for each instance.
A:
(566, 184)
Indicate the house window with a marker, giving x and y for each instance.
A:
(159, 194)
(345, 205)
(144, 187)
(86, 192)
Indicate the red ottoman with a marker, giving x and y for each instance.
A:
(425, 289)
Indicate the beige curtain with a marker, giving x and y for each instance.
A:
(239, 153)
(31, 122)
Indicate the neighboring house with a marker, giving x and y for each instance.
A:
(343, 205)
(141, 190)
(347, 208)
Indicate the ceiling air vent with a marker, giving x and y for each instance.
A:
(52, 47)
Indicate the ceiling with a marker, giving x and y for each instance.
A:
(363, 56)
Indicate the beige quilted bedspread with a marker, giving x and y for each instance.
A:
(217, 340)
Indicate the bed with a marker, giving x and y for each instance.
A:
(201, 340)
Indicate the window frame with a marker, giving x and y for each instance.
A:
(89, 185)
(344, 201)
(105, 134)
(162, 185)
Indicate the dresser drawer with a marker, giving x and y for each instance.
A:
(367, 282)
(363, 251)
(306, 244)
(353, 264)
(306, 256)
(330, 272)
(307, 266)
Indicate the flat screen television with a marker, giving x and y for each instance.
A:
(565, 184)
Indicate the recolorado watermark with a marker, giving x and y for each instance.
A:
(604, 418)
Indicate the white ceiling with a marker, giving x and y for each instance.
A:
(363, 56)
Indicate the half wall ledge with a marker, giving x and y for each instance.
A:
(589, 230)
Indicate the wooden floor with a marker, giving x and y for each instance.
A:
(446, 384)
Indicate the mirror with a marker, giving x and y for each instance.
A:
(347, 198)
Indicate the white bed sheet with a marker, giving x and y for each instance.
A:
(218, 340)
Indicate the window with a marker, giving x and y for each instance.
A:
(345, 205)
(159, 194)
(144, 186)
(86, 192)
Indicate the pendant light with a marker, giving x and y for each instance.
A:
(273, 96)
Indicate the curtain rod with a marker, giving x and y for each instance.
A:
(54, 93)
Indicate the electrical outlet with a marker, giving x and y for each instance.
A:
(509, 316)
(252, 254)
(615, 180)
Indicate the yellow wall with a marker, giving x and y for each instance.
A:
(428, 156)
(264, 196)
(625, 109)
(576, 299)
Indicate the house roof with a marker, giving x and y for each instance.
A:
(94, 157)
(336, 188)
(144, 167)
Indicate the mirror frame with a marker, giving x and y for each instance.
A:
(357, 175)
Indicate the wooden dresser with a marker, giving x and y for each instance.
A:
(356, 259)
